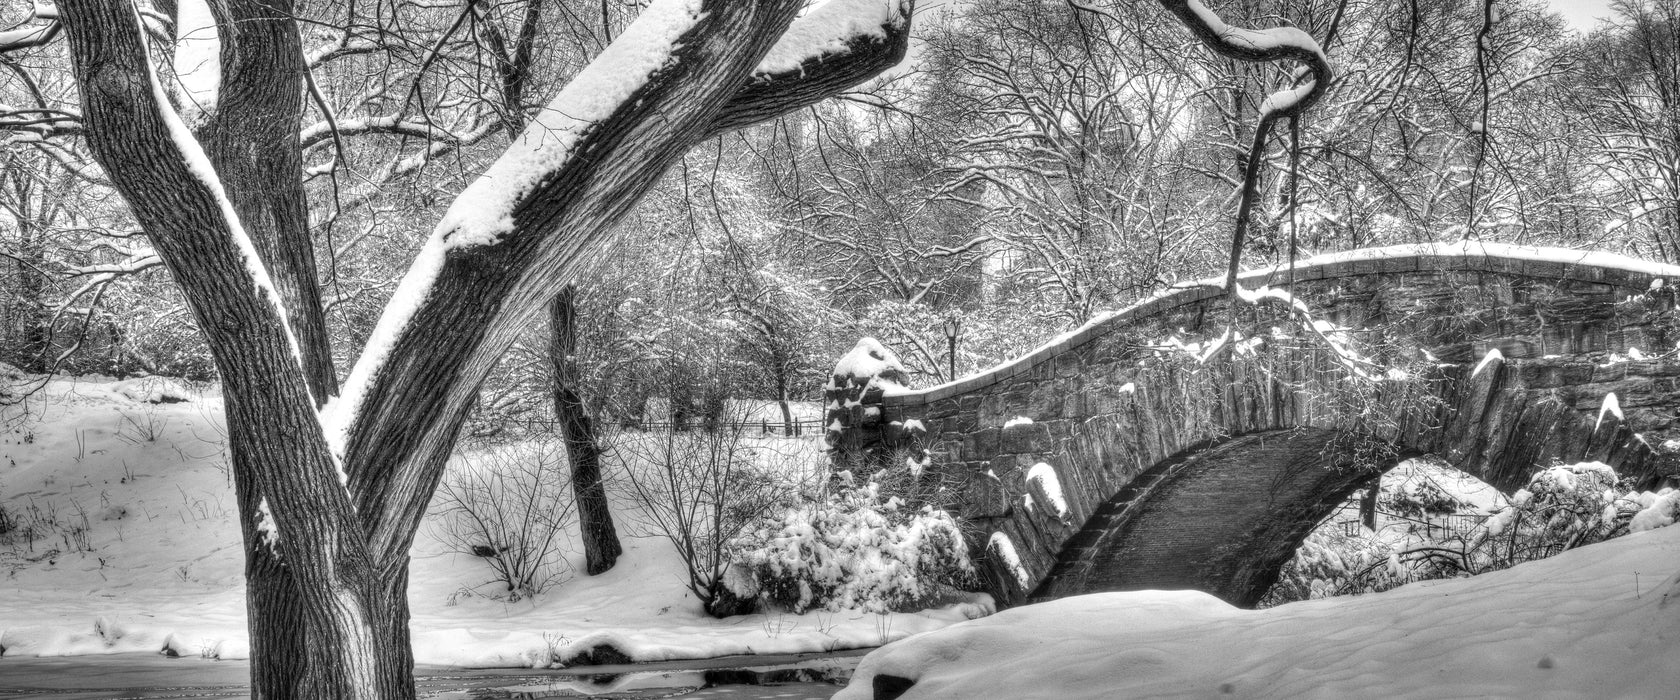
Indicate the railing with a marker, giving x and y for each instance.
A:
(1435, 527)
(762, 426)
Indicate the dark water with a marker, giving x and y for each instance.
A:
(790, 677)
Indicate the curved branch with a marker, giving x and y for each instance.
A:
(27, 36)
(832, 48)
(1258, 45)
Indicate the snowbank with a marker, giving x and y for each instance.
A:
(141, 552)
(1584, 624)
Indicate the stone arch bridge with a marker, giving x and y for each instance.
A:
(1193, 440)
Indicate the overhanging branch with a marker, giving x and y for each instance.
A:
(1259, 46)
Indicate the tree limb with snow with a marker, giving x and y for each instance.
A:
(1258, 45)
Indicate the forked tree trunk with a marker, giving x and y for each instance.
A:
(600, 539)
(251, 142)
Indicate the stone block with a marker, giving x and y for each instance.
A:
(1025, 438)
(1068, 364)
(981, 444)
(1011, 470)
(1045, 403)
(1074, 405)
(984, 497)
(1043, 368)
(942, 409)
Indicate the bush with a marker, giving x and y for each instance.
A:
(699, 489)
(1562, 508)
(510, 506)
(852, 550)
(1332, 562)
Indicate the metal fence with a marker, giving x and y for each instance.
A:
(764, 426)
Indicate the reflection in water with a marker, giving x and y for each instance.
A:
(151, 676)
(814, 680)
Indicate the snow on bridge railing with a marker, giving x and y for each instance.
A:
(1576, 264)
(764, 426)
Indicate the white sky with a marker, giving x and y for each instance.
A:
(1582, 14)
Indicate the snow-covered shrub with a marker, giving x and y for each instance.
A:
(8, 525)
(1649, 510)
(510, 506)
(699, 489)
(906, 474)
(1332, 562)
(1562, 507)
(854, 549)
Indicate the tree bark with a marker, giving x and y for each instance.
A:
(251, 140)
(787, 413)
(600, 539)
(275, 435)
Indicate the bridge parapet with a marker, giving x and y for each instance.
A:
(1496, 361)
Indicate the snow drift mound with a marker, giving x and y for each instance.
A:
(1586, 624)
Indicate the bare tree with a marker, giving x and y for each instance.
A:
(1061, 122)
(577, 429)
(1628, 101)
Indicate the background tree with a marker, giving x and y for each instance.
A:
(1627, 100)
(577, 430)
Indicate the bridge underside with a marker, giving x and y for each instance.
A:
(1222, 518)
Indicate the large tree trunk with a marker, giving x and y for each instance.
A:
(251, 140)
(316, 600)
(600, 539)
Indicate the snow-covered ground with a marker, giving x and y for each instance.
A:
(139, 549)
(1585, 624)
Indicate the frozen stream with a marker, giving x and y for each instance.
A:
(790, 677)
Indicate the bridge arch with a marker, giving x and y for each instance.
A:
(1228, 515)
(1155, 422)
